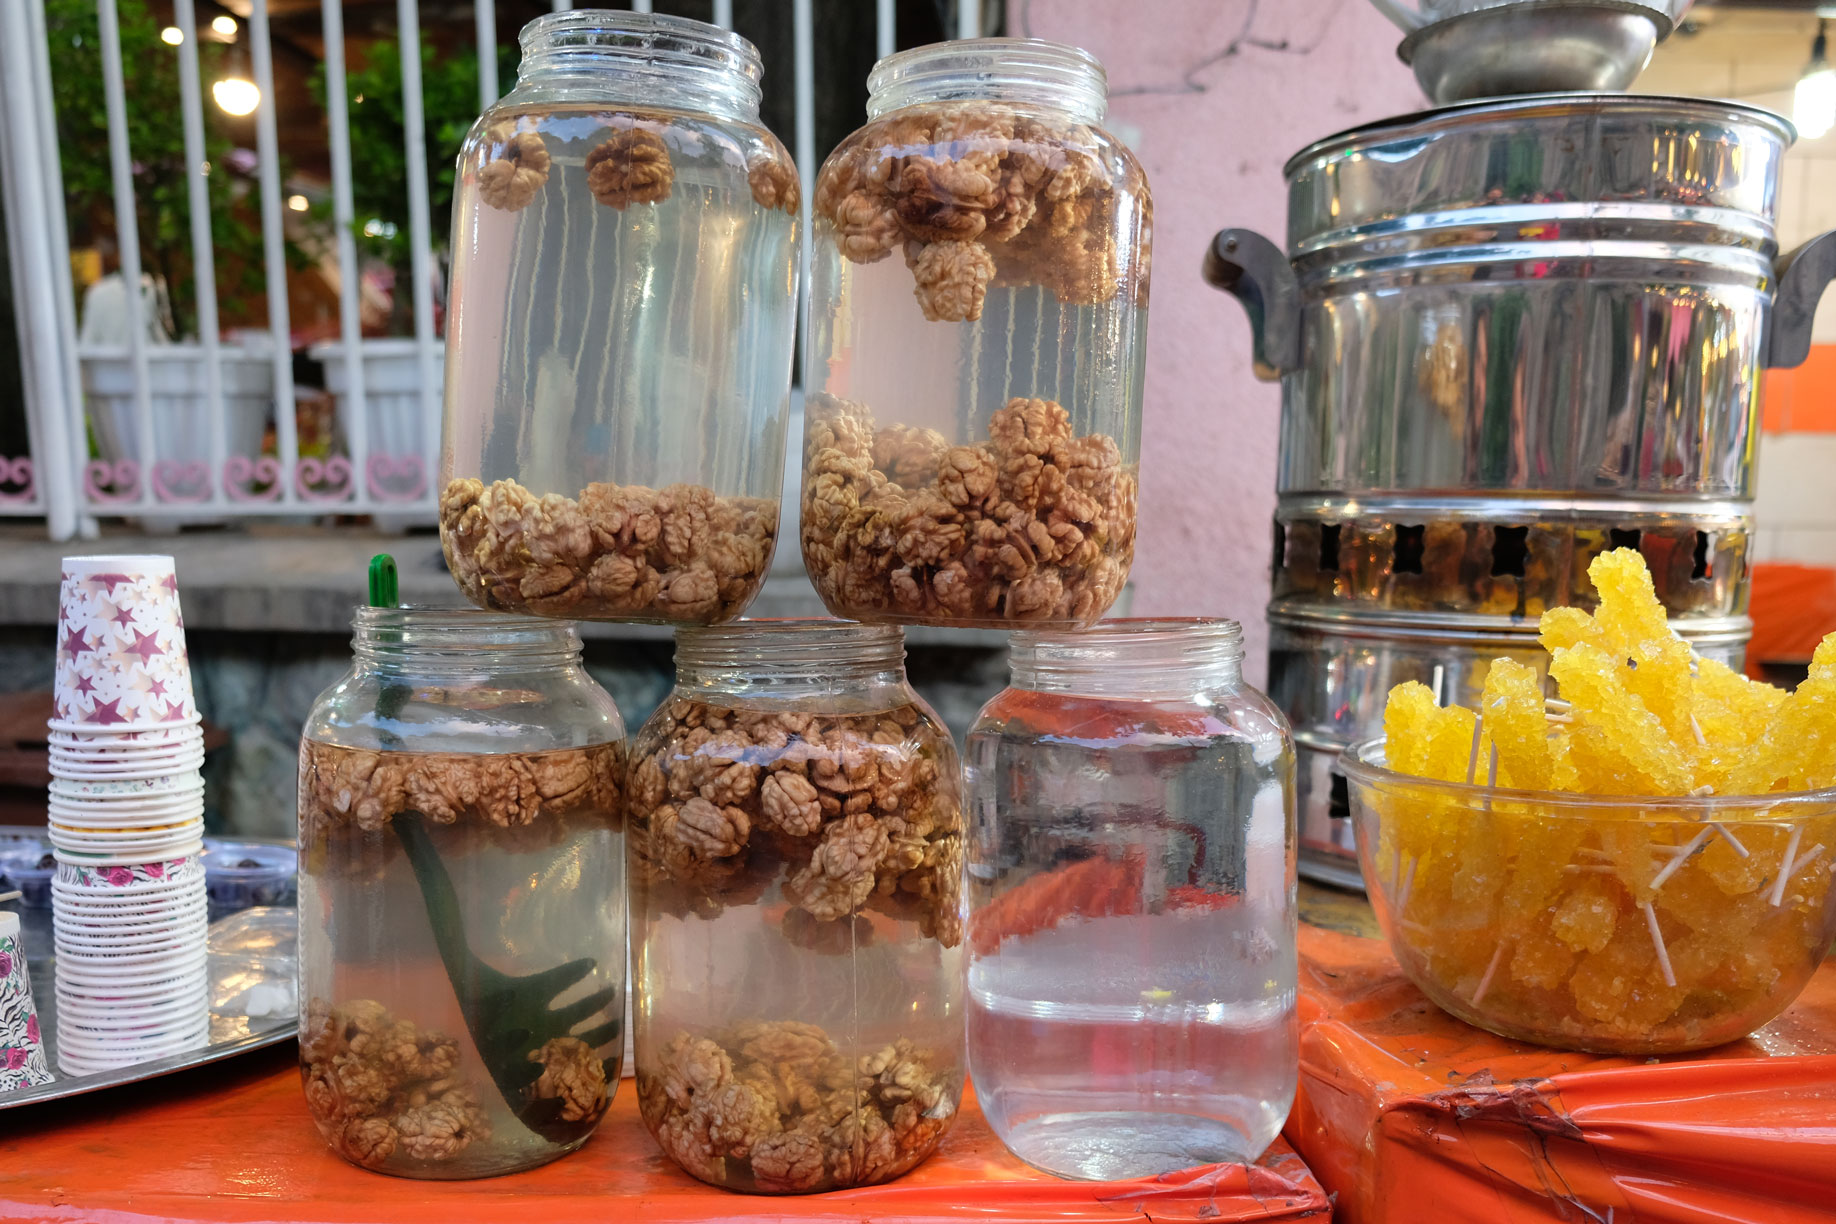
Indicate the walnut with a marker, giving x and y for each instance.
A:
(840, 874)
(510, 180)
(862, 1148)
(366, 1141)
(709, 831)
(866, 227)
(440, 1130)
(573, 1074)
(738, 1116)
(774, 180)
(633, 167)
(789, 801)
(693, 1065)
(792, 1161)
(967, 478)
(951, 278)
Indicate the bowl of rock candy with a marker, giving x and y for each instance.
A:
(1642, 866)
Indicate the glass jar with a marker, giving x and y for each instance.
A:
(796, 857)
(1132, 902)
(978, 310)
(623, 313)
(461, 874)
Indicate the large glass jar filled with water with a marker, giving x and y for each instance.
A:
(796, 856)
(978, 309)
(462, 912)
(621, 326)
(1131, 902)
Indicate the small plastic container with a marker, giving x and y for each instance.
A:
(624, 304)
(30, 868)
(1132, 991)
(796, 854)
(1619, 925)
(238, 875)
(978, 322)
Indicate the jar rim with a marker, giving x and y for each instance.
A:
(725, 62)
(427, 631)
(1125, 630)
(791, 646)
(1130, 658)
(1006, 69)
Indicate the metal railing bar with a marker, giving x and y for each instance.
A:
(885, 29)
(127, 235)
(419, 225)
(968, 18)
(485, 14)
(203, 254)
(803, 71)
(59, 470)
(344, 220)
(273, 241)
(562, 6)
(14, 154)
(723, 14)
(640, 6)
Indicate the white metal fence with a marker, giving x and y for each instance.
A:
(178, 428)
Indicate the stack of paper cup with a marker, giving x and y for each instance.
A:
(126, 817)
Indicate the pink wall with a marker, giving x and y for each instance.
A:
(1214, 95)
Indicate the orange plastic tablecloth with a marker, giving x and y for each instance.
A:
(234, 1144)
(1406, 1114)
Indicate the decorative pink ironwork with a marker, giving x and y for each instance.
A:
(122, 474)
(240, 471)
(407, 472)
(336, 472)
(185, 482)
(17, 472)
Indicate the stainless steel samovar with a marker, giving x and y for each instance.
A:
(1510, 334)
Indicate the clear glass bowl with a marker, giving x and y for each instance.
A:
(1614, 924)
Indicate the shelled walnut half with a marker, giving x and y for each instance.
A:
(847, 812)
(778, 1107)
(1034, 524)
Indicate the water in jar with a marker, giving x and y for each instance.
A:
(621, 331)
(409, 1045)
(1131, 985)
(963, 341)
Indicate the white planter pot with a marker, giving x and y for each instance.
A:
(394, 424)
(180, 406)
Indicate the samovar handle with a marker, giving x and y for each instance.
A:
(1254, 270)
(1802, 276)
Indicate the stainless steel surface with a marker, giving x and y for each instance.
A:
(1500, 556)
(1413, 16)
(1550, 294)
(243, 955)
(1803, 276)
(1532, 48)
(1331, 673)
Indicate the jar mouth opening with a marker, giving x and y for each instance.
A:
(423, 631)
(642, 41)
(796, 645)
(1133, 632)
(1146, 658)
(1008, 69)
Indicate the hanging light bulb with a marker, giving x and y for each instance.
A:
(1813, 102)
(236, 96)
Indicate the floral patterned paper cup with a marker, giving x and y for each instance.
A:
(132, 788)
(134, 877)
(22, 1049)
(122, 665)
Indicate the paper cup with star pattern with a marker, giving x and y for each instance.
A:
(122, 666)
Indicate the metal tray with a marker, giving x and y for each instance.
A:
(253, 948)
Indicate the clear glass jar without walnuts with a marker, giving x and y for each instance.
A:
(978, 310)
(462, 917)
(795, 856)
(621, 327)
(1131, 884)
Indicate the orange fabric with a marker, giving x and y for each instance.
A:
(1801, 400)
(1407, 1114)
(1793, 606)
(234, 1144)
